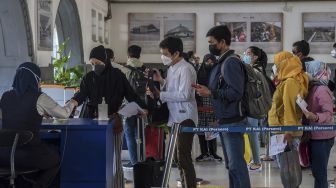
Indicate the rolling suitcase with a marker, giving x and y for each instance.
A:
(155, 142)
(148, 172)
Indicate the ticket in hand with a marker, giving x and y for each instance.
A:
(302, 103)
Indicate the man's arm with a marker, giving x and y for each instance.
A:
(234, 77)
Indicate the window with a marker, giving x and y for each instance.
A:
(100, 27)
(106, 32)
(94, 25)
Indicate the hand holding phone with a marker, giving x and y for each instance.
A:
(196, 86)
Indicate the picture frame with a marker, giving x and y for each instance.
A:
(264, 30)
(148, 29)
(319, 31)
(44, 25)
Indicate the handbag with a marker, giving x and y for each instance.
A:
(290, 169)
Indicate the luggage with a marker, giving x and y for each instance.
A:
(155, 142)
(148, 172)
(290, 169)
(247, 149)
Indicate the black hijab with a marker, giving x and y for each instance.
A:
(27, 78)
(203, 73)
(100, 53)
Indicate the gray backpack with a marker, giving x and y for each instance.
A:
(257, 99)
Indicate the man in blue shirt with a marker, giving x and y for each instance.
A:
(226, 92)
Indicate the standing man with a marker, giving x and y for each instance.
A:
(180, 98)
(301, 49)
(226, 92)
(133, 64)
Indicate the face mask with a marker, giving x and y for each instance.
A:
(333, 53)
(98, 68)
(214, 50)
(247, 59)
(166, 60)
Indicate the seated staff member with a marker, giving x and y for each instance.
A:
(23, 108)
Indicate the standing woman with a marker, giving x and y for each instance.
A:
(320, 112)
(285, 112)
(111, 84)
(23, 108)
(205, 112)
(257, 58)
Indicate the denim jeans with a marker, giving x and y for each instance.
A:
(254, 141)
(234, 157)
(319, 154)
(130, 129)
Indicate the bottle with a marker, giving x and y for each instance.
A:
(103, 110)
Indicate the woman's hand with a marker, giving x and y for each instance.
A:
(311, 116)
(288, 137)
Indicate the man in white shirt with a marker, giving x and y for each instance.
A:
(177, 91)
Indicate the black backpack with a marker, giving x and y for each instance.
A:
(257, 98)
(138, 81)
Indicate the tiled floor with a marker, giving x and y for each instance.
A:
(216, 175)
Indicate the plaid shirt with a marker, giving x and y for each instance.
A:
(205, 111)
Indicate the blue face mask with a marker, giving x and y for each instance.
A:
(247, 59)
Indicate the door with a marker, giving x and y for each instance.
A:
(15, 48)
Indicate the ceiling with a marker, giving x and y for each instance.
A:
(203, 1)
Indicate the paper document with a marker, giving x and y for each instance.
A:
(277, 145)
(302, 103)
(130, 109)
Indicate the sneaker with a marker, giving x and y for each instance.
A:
(216, 157)
(203, 157)
(252, 167)
(128, 166)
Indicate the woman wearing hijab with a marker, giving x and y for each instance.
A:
(23, 108)
(320, 112)
(205, 112)
(111, 84)
(293, 82)
(106, 82)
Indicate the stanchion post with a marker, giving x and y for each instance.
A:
(171, 149)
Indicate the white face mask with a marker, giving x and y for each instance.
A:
(333, 53)
(166, 60)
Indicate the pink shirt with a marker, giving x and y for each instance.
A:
(320, 103)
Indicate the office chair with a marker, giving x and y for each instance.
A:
(14, 139)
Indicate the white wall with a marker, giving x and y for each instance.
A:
(43, 58)
(292, 23)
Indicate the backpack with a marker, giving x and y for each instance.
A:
(138, 81)
(257, 98)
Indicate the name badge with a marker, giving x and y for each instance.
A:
(182, 111)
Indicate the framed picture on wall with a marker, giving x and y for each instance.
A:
(148, 29)
(253, 29)
(319, 31)
(44, 25)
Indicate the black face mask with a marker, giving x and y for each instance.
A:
(99, 68)
(214, 50)
(208, 66)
